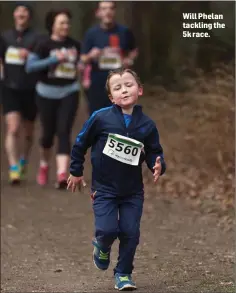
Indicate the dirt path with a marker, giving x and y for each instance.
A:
(46, 244)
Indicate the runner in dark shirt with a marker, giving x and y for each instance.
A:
(106, 46)
(18, 89)
(56, 59)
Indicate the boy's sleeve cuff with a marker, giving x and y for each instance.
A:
(76, 174)
(163, 166)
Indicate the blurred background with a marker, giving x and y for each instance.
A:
(190, 81)
(158, 30)
(189, 91)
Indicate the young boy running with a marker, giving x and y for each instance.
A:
(122, 138)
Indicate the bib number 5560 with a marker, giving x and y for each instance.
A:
(119, 147)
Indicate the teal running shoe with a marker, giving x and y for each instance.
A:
(124, 282)
(101, 256)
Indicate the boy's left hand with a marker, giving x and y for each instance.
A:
(74, 182)
(157, 169)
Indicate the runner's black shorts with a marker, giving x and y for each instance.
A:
(21, 101)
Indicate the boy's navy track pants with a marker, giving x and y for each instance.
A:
(119, 217)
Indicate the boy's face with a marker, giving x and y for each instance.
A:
(124, 90)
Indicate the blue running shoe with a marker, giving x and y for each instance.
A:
(124, 282)
(23, 168)
(101, 257)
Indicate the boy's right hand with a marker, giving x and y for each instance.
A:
(75, 182)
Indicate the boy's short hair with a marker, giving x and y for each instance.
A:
(121, 71)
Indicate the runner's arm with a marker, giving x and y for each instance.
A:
(39, 58)
(34, 63)
(2, 54)
(83, 141)
(153, 149)
(78, 51)
(87, 46)
(133, 54)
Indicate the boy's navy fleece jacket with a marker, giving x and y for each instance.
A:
(109, 175)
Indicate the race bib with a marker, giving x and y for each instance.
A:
(110, 61)
(123, 149)
(12, 56)
(64, 70)
(67, 69)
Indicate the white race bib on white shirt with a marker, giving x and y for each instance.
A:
(123, 149)
(12, 56)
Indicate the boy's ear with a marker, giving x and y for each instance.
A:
(140, 91)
